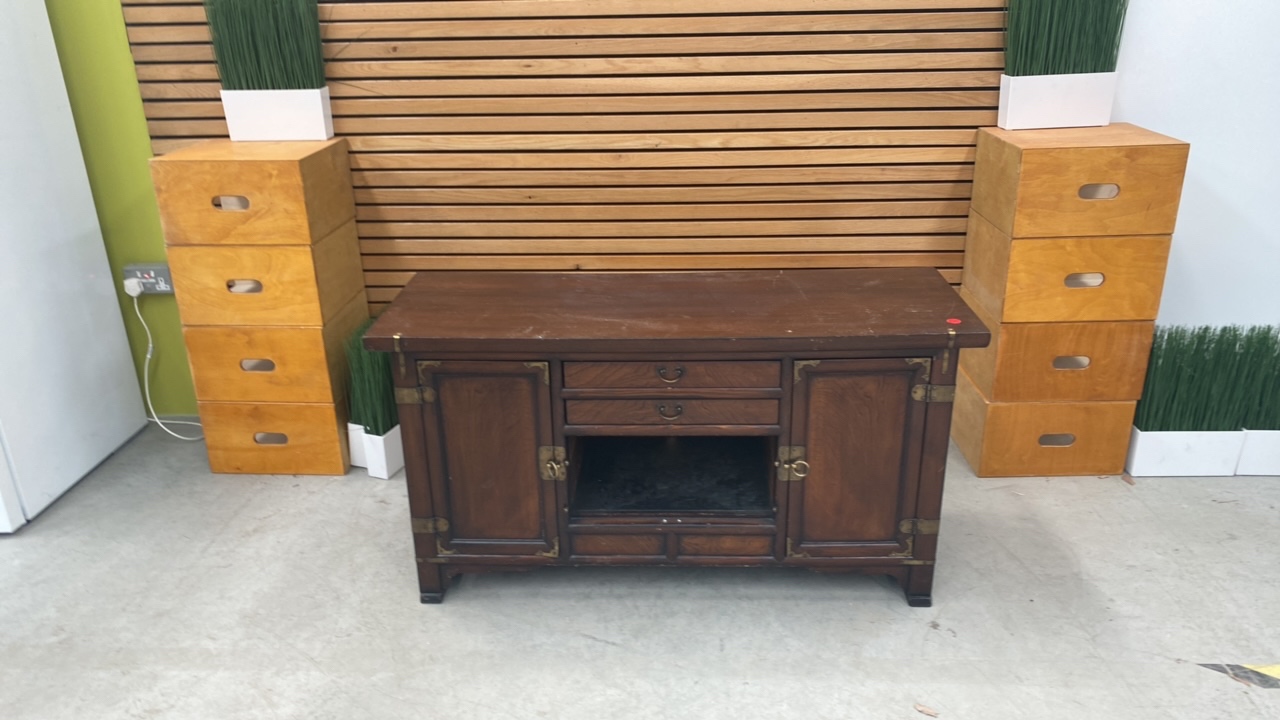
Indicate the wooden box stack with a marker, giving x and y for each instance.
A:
(1065, 260)
(266, 267)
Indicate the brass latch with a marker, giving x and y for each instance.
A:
(430, 526)
(415, 395)
(934, 393)
(553, 463)
(916, 526)
(791, 463)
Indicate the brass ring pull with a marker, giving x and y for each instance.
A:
(662, 412)
(662, 374)
(799, 471)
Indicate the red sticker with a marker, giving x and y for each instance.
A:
(954, 321)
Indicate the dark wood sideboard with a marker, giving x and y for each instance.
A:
(729, 418)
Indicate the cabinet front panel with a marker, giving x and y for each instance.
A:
(859, 431)
(673, 374)
(489, 431)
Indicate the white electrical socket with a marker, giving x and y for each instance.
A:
(155, 277)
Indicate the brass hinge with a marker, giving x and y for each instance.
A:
(554, 552)
(934, 393)
(395, 344)
(926, 363)
(415, 395)
(791, 552)
(915, 526)
(424, 369)
(430, 525)
(802, 364)
(552, 463)
(441, 551)
(791, 463)
(908, 551)
(951, 346)
(544, 367)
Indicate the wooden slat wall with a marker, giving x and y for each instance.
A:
(632, 134)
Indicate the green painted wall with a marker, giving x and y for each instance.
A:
(107, 105)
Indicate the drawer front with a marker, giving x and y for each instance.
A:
(267, 285)
(672, 374)
(674, 411)
(1035, 439)
(644, 545)
(217, 199)
(1036, 186)
(1045, 362)
(1064, 279)
(246, 364)
(274, 439)
(727, 545)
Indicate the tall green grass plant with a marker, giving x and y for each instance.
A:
(372, 393)
(266, 44)
(1060, 37)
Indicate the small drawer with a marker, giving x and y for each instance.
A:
(672, 374)
(1040, 439)
(1050, 362)
(1064, 279)
(274, 438)
(266, 364)
(727, 545)
(1113, 180)
(262, 193)
(675, 411)
(261, 285)
(650, 545)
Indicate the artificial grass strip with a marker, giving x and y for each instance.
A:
(1058, 37)
(266, 44)
(372, 393)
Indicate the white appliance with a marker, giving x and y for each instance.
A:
(68, 392)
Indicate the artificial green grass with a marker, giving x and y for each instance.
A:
(1059, 37)
(1212, 379)
(266, 44)
(372, 395)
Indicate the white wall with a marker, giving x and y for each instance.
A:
(1209, 73)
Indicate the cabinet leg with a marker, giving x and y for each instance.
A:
(919, 586)
(431, 583)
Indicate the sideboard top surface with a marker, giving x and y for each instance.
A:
(750, 310)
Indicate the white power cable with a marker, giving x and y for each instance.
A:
(146, 378)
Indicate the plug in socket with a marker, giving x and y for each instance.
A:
(155, 277)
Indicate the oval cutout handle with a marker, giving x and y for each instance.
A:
(1057, 440)
(257, 365)
(244, 287)
(231, 203)
(1071, 362)
(1099, 191)
(271, 438)
(1084, 280)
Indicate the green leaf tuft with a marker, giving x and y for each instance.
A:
(1061, 37)
(266, 44)
(372, 392)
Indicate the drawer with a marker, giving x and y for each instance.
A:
(1060, 361)
(273, 364)
(1064, 279)
(262, 285)
(1113, 180)
(274, 438)
(675, 411)
(647, 545)
(727, 545)
(265, 193)
(1039, 439)
(671, 374)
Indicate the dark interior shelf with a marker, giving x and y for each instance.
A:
(674, 474)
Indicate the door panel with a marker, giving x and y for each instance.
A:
(861, 434)
(487, 421)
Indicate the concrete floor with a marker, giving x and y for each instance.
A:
(155, 590)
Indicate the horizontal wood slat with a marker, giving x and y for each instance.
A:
(631, 134)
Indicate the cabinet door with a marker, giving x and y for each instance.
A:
(856, 440)
(486, 423)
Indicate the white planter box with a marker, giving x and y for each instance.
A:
(1056, 101)
(278, 114)
(1182, 454)
(382, 455)
(1261, 453)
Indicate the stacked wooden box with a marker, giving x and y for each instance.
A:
(266, 267)
(1065, 260)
